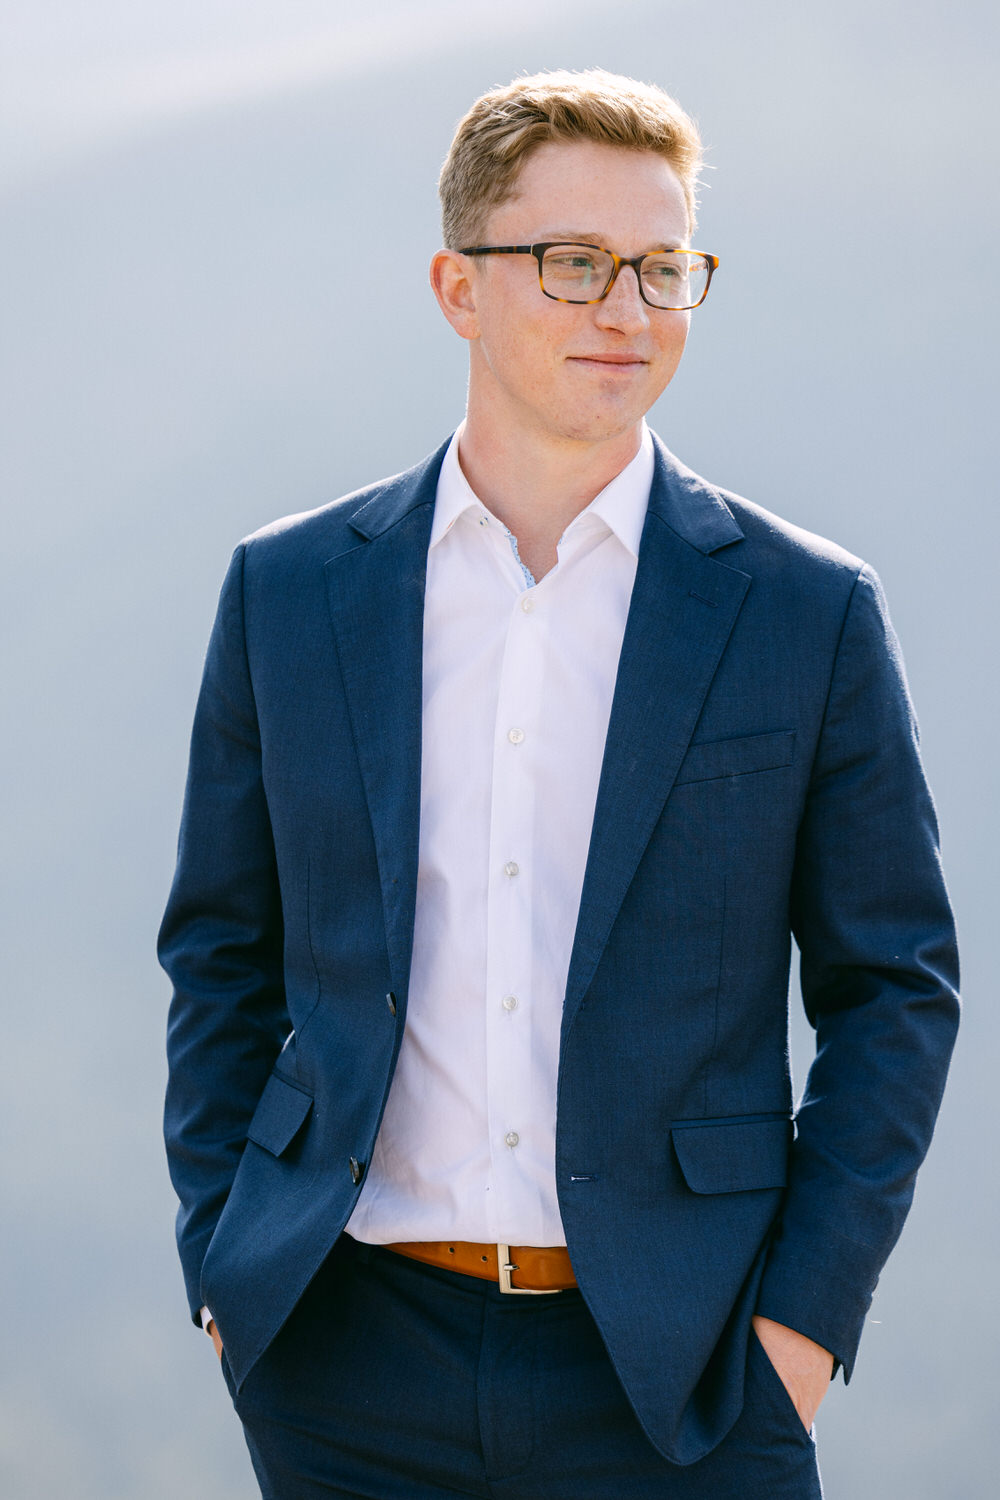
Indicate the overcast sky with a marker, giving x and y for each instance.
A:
(76, 75)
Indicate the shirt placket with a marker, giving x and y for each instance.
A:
(511, 1107)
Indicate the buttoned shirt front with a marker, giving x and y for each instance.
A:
(518, 681)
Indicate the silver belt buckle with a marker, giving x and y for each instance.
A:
(505, 1266)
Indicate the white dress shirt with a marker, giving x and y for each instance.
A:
(518, 679)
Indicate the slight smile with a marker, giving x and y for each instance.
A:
(608, 361)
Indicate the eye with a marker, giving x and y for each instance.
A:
(571, 260)
(576, 273)
(663, 268)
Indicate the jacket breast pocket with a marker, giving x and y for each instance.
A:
(713, 759)
(280, 1114)
(733, 1156)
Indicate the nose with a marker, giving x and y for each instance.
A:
(623, 308)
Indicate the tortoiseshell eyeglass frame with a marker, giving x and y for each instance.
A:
(538, 251)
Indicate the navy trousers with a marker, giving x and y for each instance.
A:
(396, 1381)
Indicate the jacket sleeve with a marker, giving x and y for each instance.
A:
(220, 942)
(879, 971)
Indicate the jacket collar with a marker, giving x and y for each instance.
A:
(390, 501)
(688, 504)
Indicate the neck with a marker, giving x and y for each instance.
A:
(537, 486)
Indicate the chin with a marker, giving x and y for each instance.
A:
(600, 428)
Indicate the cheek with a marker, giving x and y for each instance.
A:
(507, 355)
(680, 324)
(518, 349)
(672, 340)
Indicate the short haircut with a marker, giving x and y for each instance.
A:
(506, 125)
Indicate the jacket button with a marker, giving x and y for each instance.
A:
(390, 1000)
(357, 1170)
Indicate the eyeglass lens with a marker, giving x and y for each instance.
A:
(580, 273)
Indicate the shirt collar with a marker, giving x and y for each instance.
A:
(454, 493)
(621, 505)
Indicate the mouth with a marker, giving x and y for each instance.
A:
(608, 362)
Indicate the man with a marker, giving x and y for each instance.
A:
(511, 777)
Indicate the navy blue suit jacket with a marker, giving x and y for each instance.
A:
(761, 778)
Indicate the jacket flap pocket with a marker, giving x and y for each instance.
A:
(279, 1115)
(737, 757)
(733, 1156)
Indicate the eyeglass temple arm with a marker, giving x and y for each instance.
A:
(497, 250)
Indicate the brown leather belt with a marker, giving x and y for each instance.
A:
(514, 1268)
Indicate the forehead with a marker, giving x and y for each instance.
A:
(633, 198)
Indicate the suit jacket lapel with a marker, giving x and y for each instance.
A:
(684, 605)
(376, 597)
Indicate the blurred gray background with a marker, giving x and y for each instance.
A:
(217, 216)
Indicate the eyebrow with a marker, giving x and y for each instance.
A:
(594, 237)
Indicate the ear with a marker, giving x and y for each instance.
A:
(454, 287)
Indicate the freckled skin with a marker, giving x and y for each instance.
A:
(526, 349)
(558, 390)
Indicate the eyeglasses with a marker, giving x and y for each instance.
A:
(668, 279)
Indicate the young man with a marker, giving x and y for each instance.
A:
(510, 779)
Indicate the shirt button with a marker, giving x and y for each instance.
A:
(528, 603)
(511, 1139)
(512, 868)
(515, 736)
(509, 1002)
(483, 521)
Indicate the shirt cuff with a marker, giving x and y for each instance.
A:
(206, 1318)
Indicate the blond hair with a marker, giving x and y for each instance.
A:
(504, 126)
